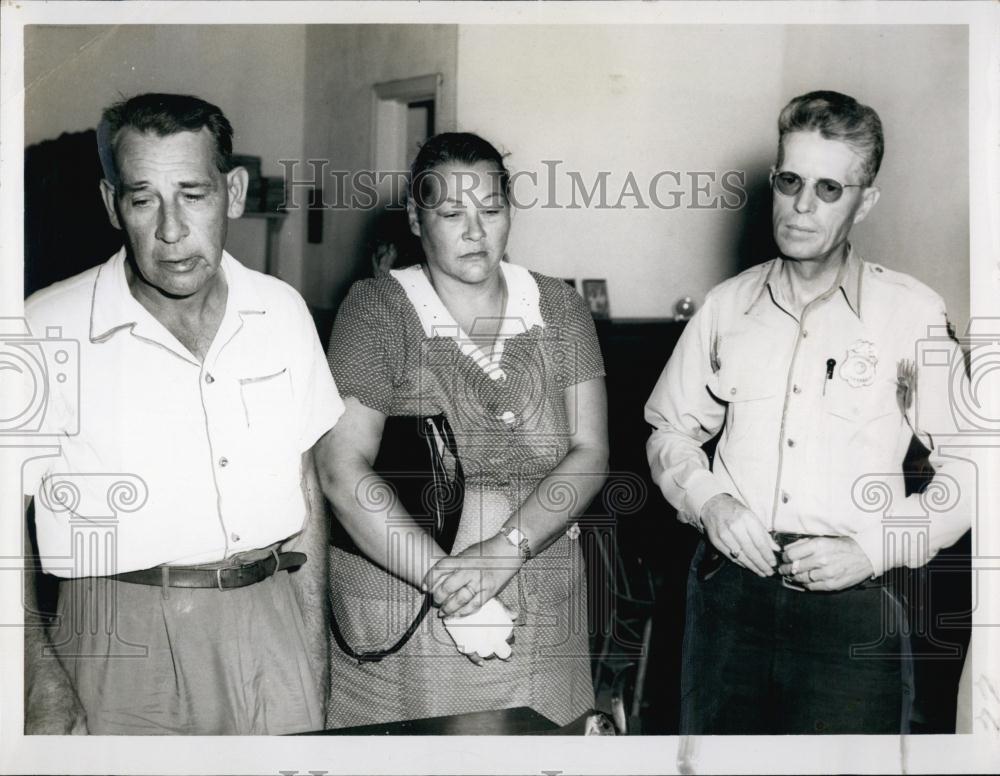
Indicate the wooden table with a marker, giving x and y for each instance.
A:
(520, 721)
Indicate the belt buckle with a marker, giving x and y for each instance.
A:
(793, 586)
(218, 578)
(784, 538)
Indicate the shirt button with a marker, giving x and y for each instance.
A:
(733, 390)
(234, 536)
(223, 461)
(208, 378)
(507, 417)
(796, 389)
(791, 443)
(804, 334)
(784, 497)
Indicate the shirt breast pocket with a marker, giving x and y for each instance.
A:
(267, 400)
(750, 393)
(863, 413)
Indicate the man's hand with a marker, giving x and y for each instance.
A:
(825, 563)
(311, 582)
(51, 705)
(52, 709)
(739, 533)
(464, 582)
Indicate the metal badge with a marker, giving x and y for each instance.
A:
(858, 368)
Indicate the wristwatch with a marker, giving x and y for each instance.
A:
(518, 539)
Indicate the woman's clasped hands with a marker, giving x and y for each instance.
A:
(464, 587)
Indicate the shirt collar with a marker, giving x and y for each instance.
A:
(113, 307)
(848, 281)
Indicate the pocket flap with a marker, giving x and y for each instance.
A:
(745, 383)
(743, 372)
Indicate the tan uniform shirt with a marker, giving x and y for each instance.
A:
(816, 411)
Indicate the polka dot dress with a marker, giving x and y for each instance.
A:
(397, 350)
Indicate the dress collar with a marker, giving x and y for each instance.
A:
(522, 313)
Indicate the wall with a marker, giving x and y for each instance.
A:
(705, 99)
(343, 64)
(917, 79)
(256, 74)
(688, 99)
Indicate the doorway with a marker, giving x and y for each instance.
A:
(404, 117)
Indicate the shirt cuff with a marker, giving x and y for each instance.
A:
(700, 487)
(870, 542)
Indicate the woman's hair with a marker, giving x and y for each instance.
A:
(452, 148)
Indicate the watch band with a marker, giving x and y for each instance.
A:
(518, 539)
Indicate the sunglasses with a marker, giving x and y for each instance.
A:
(827, 189)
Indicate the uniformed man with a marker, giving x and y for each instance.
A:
(807, 364)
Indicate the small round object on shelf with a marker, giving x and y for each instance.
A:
(684, 309)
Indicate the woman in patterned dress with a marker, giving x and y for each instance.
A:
(511, 358)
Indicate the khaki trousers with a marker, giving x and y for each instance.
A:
(149, 660)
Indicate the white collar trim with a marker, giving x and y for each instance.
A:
(521, 314)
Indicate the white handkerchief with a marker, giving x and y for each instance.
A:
(486, 632)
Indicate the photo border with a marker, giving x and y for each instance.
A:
(637, 755)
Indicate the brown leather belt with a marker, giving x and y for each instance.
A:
(221, 577)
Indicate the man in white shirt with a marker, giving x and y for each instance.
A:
(809, 365)
(184, 491)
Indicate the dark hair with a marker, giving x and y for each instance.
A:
(163, 114)
(836, 117)
(452, 147)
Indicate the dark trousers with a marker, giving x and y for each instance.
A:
(761, 659)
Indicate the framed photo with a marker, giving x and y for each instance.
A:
(596, 294)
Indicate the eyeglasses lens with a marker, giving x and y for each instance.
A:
(790, 184)
(828, 190)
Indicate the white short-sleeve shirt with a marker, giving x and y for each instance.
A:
(162, 459)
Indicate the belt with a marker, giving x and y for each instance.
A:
(714, 560)
(221, 577)
(782, 539)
